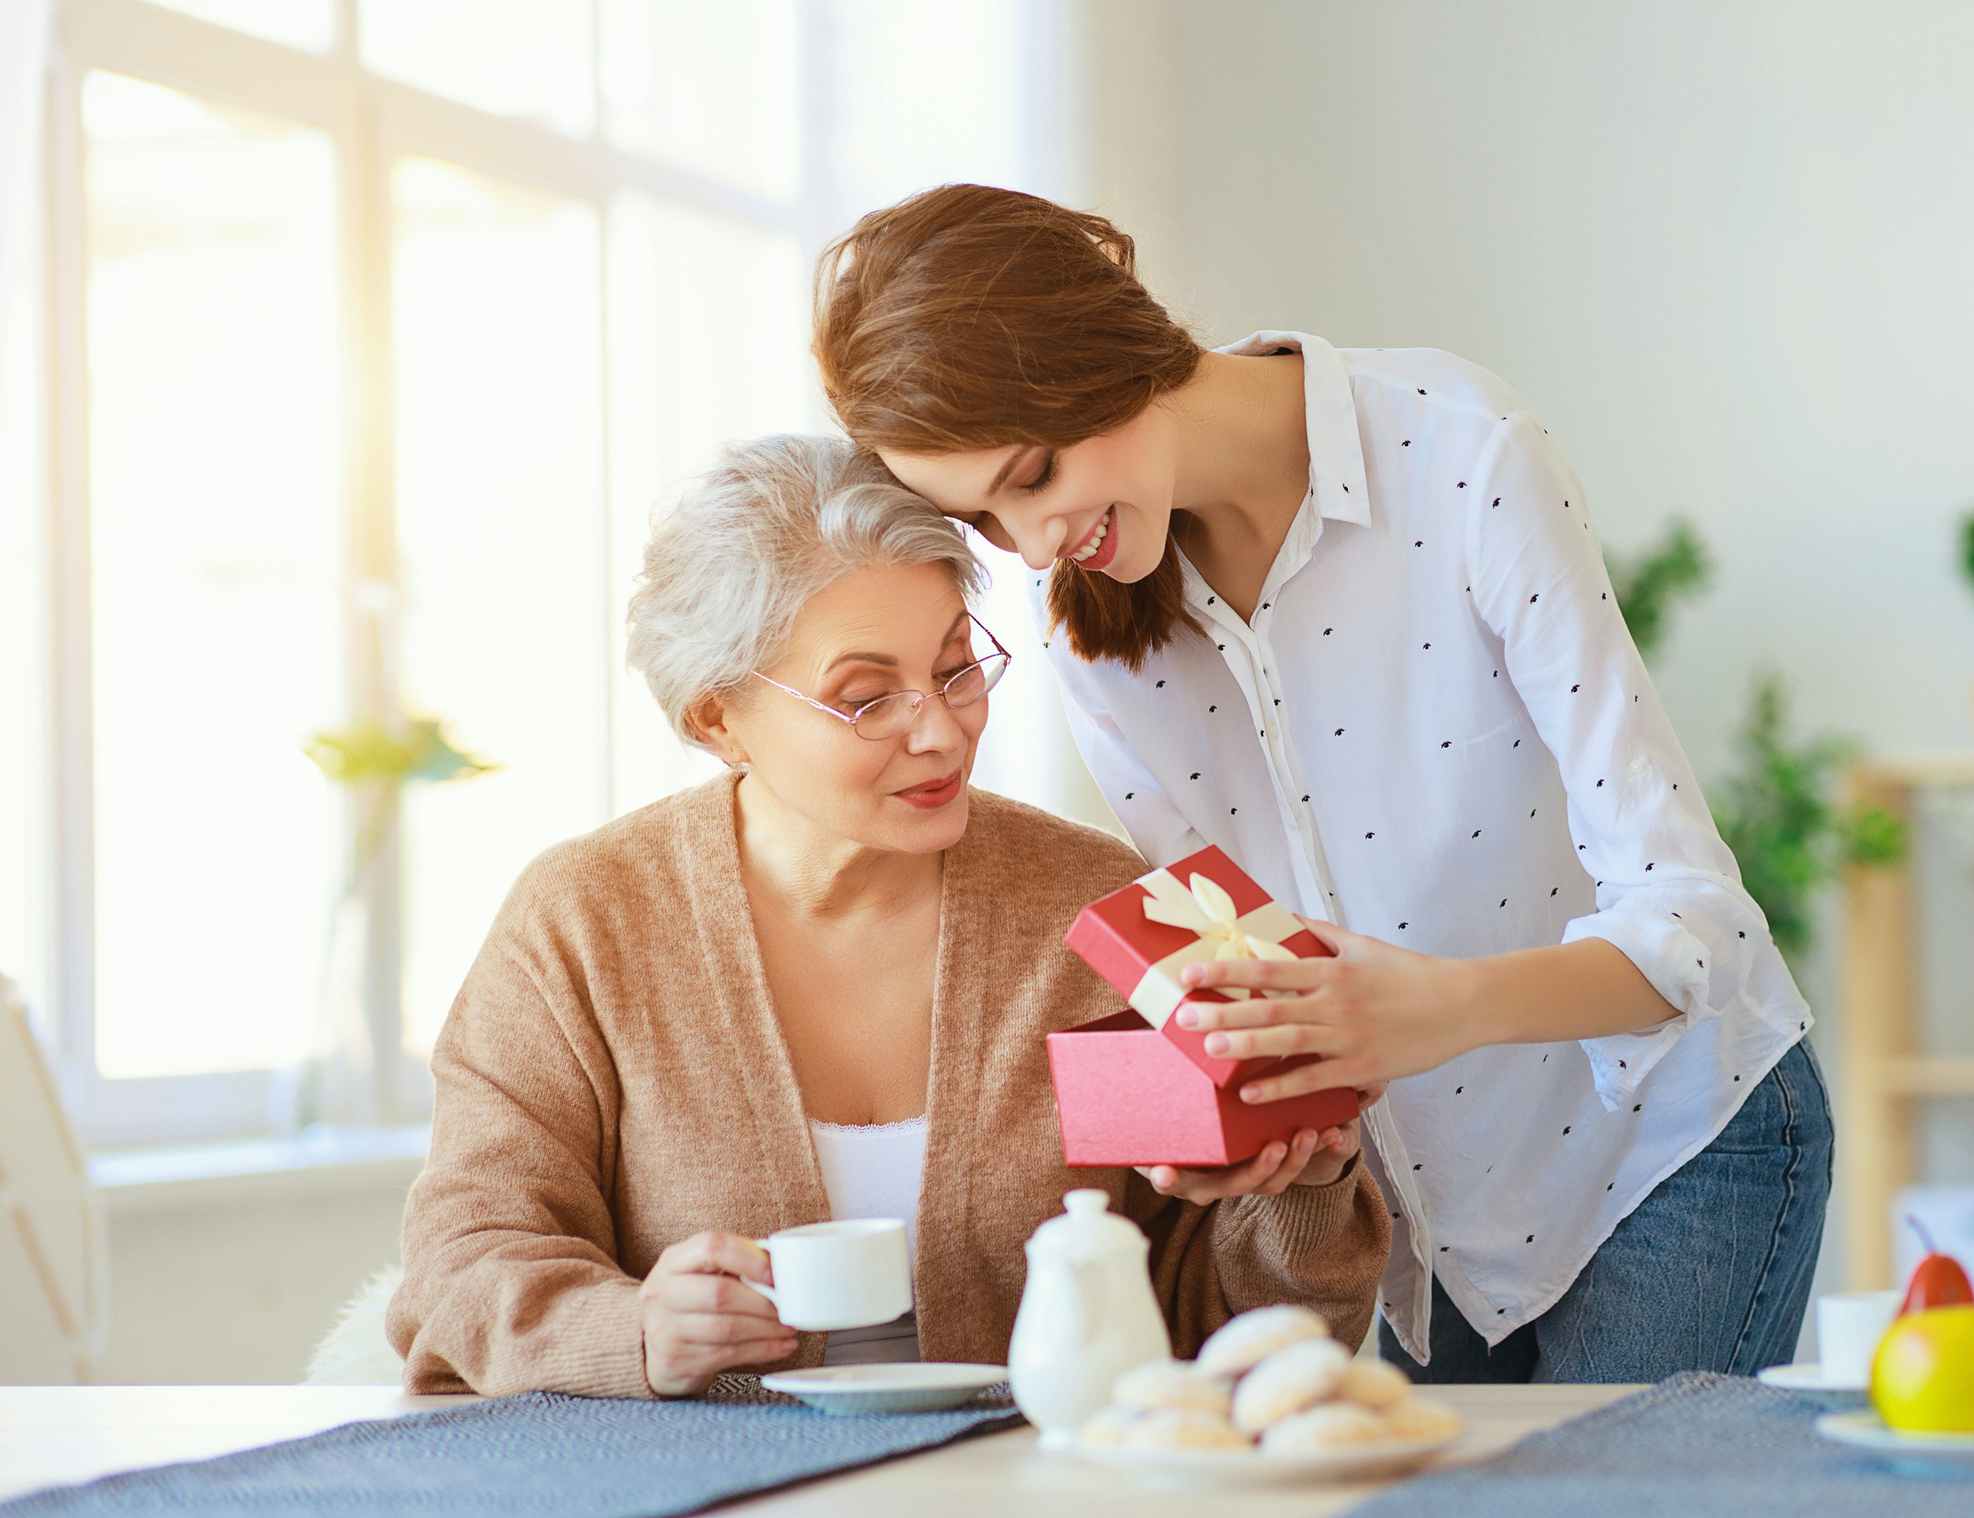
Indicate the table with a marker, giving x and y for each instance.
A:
(51, 1434)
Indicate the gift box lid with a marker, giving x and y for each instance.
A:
(1202, 907)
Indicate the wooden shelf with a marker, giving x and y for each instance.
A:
(1917, 772)
(1884, 1074)
(1918, 1075)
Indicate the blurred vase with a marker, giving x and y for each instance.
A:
(338, 1078)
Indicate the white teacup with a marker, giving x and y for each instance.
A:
(830, 1276)
(1849, 1325)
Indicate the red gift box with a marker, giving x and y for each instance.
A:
(1137, 1089)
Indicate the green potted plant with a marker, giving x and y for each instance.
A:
(1774, 811)
(1647, 587)
(1774, 808)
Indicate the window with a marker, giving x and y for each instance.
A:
(209, 314)
(374, 332)
(25, 780)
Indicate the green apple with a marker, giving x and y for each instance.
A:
(1922, 1374)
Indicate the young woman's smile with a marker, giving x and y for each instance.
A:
(1098, 546)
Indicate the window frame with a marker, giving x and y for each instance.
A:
(373, 123)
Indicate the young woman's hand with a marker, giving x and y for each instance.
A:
(701, 1317)
(1374, 1012)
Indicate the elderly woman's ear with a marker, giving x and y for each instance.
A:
(705, 722)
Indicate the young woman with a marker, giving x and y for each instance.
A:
(1342, 613)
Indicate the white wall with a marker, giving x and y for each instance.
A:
(236, 1288)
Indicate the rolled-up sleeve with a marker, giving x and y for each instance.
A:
(1668, 893)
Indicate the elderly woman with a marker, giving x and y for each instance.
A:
(815, 987)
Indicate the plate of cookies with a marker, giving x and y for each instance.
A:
(1272, 1399)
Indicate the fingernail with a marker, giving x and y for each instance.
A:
(1251, 1093)
(1192, 975)
(1217, 1043)
(1188, 1017)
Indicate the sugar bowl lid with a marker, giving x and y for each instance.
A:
(1086, 1229)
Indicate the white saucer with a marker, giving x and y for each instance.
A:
(1211, 1468)
(1808, 1379)
(1927, 1454)
(908, 1387)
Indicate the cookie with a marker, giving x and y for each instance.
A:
(1421, 1418)
(1173, 1383)
(1374, 1384)
(1240, 1345)
(1183, 1428)
(1288, 1381)
(1108, 1428)
(1333, 1426)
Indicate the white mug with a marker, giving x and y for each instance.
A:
(1849, 1325)
(829, 1276)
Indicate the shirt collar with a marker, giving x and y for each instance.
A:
(1336, 453)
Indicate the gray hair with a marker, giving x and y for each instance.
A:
(777, 521)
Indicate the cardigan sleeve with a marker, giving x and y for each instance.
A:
(1669, 892)
(1321, 1246)
(511, 1275)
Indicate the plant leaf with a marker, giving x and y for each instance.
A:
(368, 752)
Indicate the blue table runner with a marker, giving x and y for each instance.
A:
(537, 1453)
(1694, 1446)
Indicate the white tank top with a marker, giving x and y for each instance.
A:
(873, 1172)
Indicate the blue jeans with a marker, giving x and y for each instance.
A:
(1711, 1272)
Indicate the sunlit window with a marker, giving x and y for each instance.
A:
(299, 23)
(215, 551)
(498, 344)
(711, 88)
(532, 59)
(23, 641)
(371, 355)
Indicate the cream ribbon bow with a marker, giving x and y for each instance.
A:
(1207, 911)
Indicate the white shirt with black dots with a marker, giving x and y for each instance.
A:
(1437, 731)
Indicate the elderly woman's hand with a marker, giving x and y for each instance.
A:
(701, 1318)
(1309, 1159)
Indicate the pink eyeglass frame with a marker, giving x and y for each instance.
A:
(917, 706)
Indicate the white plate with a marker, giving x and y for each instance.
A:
(1927, 1454)
(1207, 1468)
(909, 1387)
(1809, 1380)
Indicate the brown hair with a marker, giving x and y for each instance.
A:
(968, 317)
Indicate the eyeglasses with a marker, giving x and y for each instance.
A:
(894, 715)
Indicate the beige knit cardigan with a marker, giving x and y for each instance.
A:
(612, 1079)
